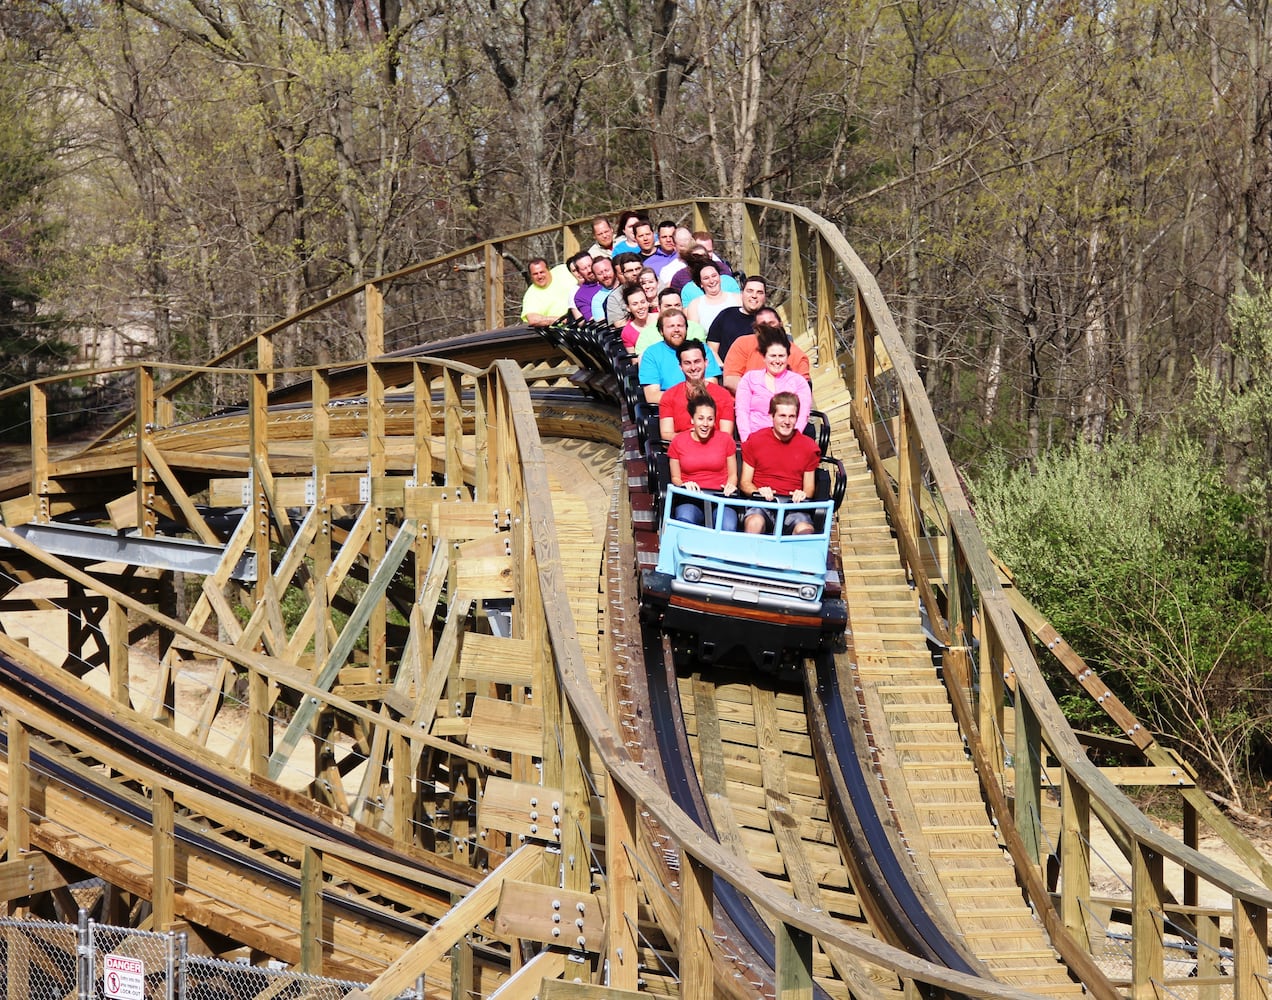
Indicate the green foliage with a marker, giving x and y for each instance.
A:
(28, 332)
(1238, 410)
(1140, 556)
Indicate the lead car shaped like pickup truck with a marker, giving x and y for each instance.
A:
(734, 596)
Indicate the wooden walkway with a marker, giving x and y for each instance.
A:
(919, 753)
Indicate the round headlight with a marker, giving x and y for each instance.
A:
(692, 574)
(808, 592)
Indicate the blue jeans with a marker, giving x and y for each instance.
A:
(694, 513)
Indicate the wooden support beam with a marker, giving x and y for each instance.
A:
(862, 359)
(794, 963)
(311, 918)
(622, 889)
(457, 922)
(19, 790)
(827, 345)
(373, 304)
(325, 677)
(145, 476)
(1249, 951)
(991, 695)
(494, 275)
(696, 929)
(1148, 896)
(1075, 859)
(752, 262)
(797, 306)
(117, 636)
(1026, 759)
(28, 875)
(40, 450)
(452, 427)
(163, 865)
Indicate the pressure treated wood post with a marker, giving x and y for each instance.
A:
(908, 481)
(453, 426)
(320, 546)
(1209, 957)
(797, 307)
(402, 788)
(1075, 859)
(117, 635)
(827, 348)
(377, 544)
(794, 962)
(373, 303)
(19, 764)
(991, 696)
(163, 859)
(258, 723)
(258, 431)
(311, 912)
(1249, 951)
(696, 928)
(701, 216)
(622, 891)
(1148, 894)
(863, 362)
(145, 473)
(484, 440)
(569, 242)
(1027, 758)
(494, 286)
(40, 451)
(752, 252)
(265, 357)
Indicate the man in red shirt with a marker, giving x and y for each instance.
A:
(673, 405)
(779, 462)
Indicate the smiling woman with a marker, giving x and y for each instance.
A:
(756, 388)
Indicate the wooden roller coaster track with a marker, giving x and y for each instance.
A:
(342, 666)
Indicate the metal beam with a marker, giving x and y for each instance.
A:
(74, 541)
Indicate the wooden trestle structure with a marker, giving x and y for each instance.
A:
(342, 665)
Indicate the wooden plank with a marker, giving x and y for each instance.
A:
(534, 978)
(1149, 775)
(28, 875)
(506, 726)
(550, 915)
(499, 660)
(562, 989)
(519, 808)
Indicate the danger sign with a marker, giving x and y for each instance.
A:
(124, 978)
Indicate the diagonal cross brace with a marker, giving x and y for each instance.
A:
(330, 670)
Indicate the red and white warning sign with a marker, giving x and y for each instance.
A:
(123, 978)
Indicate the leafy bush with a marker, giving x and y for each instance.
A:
(1141, 557)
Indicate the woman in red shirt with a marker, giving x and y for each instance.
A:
(703, 458)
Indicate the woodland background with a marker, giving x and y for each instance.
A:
(1067, 203)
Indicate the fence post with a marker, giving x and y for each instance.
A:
(85, 971)
(183, 953)
(170, 964)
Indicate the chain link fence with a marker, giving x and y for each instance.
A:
(41, 960)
